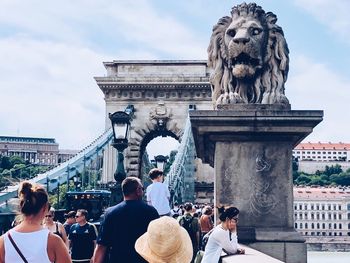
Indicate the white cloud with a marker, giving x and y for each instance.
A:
(49, 58)
(314, 86)
(333, 14)
(47, 89)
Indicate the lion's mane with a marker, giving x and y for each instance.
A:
(268, 82)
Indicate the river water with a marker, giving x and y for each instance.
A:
(328, 257)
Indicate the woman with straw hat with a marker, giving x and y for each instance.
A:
(165, 242)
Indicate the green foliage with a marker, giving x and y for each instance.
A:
(5, 162)
(341, 179)
(16, 160)
(303, 180)
(332, 176)
(14, 169)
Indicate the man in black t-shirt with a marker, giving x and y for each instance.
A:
(123, 224)
(82, 236)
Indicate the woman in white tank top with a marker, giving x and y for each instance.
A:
(35, 244)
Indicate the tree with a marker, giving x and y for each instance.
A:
(340, 179)
(333, 169)
(303, 179)
(17, 160)
(317, 180)
(5, 162)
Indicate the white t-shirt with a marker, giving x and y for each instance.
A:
(219, 239)
(158, 196)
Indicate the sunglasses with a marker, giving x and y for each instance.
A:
(48, 216)
(77, 216)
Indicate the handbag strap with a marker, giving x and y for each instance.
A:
(16, 247)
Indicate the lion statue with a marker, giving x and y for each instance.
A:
(249, 57)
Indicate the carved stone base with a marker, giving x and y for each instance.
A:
(250, 149)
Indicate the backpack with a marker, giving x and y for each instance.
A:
(186, 223)
(175, 212)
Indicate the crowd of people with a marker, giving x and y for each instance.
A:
(132, 231)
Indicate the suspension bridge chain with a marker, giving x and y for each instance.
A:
(180, 178)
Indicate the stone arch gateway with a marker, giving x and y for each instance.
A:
(161, 92)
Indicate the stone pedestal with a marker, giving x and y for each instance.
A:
(250, 147)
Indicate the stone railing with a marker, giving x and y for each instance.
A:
(250, 256)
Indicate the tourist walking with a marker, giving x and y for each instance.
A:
(223, 237)
(191, 224)
(70, 220)
(165, 241)
(55, 227)
(34, 242)
(205, 220)
(82, 237)
(123, 224)
(176, 211)
(157, 193)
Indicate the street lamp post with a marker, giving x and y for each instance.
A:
(161, 160)
(120, 124)
(47, 184)
(58, 192)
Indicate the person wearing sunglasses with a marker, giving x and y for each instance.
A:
(223, 238)
(82, 236)
(55, 227)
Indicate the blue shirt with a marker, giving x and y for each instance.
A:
(82, 241)
(122, 225)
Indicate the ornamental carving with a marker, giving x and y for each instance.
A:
(160, 115)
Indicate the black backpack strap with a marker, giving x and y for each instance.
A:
(16, 247)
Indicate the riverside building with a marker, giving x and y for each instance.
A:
(322, 151)
(322, 211)
(43, 151)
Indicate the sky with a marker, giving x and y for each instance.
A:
(51, 50)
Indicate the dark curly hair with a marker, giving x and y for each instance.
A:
(32, 198)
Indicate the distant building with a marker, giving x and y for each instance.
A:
(322, 151)
(43, 151)
(323, 212)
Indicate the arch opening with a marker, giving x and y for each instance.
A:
(155, 143)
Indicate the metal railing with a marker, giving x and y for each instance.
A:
(64, 171)
(180, 178)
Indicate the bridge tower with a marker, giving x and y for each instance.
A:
(161, 93)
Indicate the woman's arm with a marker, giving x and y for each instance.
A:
(2, 250)
(64, 235)
(228, 241)
(57, 250)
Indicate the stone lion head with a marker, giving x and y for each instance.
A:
(249, 57)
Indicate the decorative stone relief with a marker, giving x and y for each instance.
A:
(262, 199)
(160, 115)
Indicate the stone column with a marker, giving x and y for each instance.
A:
(250, 147)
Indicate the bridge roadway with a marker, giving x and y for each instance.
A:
(66, 170)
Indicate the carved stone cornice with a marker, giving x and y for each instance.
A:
(153, 79)
(164, 91)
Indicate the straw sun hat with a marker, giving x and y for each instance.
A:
(165, 242)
